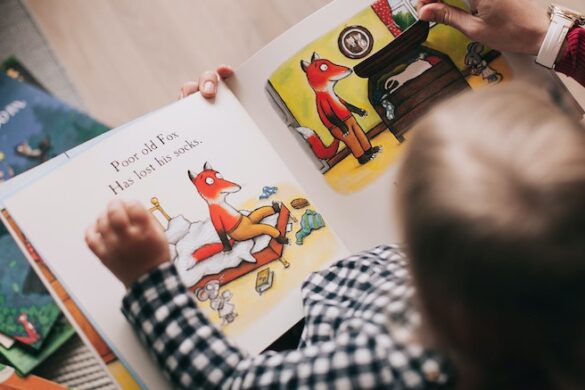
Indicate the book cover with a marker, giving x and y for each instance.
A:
(16, 70)
(35, 126)
(27, 311)
(25, 360)
(9, 379)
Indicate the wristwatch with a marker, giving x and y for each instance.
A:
(561, 21)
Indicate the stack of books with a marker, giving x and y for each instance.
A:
(35, 323)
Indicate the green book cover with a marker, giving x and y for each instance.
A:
(26, 359)
(27, 310)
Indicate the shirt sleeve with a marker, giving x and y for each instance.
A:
(194, 353)
(572, 62)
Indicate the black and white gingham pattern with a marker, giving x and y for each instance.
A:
(358, 333)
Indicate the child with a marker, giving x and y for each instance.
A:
(492, 194)
(492, 200)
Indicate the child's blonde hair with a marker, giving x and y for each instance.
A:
(492, 203)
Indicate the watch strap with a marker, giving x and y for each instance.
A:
(553, 41)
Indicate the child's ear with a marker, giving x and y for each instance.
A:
(304, 65)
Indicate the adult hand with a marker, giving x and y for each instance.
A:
(207, 83)
(507, 25)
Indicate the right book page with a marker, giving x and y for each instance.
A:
(337, 94)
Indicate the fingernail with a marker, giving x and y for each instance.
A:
(209, 87)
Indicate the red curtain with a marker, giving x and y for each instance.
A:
(384, 11)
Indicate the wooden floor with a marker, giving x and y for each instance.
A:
(128, 57)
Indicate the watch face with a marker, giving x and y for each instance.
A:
(575, 16)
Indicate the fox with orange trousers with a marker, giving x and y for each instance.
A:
(230, 224)
(335, 113)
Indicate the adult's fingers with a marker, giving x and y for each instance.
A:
(208, 84)
(451, 16)
(189, 88)
(422, 3)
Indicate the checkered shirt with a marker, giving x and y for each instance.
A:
(359, 324)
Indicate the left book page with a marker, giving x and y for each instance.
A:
(169, 161)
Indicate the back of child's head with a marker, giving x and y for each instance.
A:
(492, 203)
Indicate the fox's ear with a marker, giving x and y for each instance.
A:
(207, 166)
(191, 177)
(315, 56)
(304, 65)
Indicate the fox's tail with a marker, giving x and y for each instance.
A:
(206, 251)
(320, 150)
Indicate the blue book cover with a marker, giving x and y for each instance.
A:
(35, 126)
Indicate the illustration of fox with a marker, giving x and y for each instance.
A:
(230, 224)
(334, 112)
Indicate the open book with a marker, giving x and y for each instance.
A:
(306, 138)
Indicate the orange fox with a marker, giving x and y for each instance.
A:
(229, 223)
(336, 113)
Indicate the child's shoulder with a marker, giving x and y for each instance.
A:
(380, 260)
(350, 278)
(368, 296)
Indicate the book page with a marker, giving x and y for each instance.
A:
(170, 161)
(337, 94)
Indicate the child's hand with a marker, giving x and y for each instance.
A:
(207, 83)
(128, 240)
